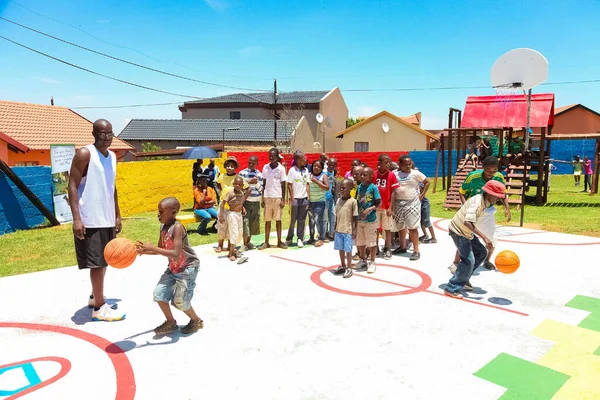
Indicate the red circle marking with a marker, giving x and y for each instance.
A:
(120, 362)
(437, 225)
(425, 283)
(65, 367)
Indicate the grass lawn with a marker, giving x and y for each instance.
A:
(568, 210)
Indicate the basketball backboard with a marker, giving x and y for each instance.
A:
(519, 69)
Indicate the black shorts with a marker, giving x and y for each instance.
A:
(90, 251)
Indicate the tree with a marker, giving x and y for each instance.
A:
(353, 121)
(295, 114)
(148, 147)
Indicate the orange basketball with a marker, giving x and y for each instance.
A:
(507, 262)
(120, 253)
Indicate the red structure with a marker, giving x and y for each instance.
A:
(344, 159)
(488, 112)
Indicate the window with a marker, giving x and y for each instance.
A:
(235, 115)
(26, 163)
(360, 147)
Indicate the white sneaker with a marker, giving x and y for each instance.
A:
(106, 313)
(92, 303)
(300, 244)
(452, 268)
(371, 268)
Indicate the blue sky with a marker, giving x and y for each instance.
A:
(306, 45)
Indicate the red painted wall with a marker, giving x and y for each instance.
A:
(344, 159)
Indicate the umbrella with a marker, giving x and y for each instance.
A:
(200, 152)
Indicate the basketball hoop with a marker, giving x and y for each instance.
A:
(505, 92)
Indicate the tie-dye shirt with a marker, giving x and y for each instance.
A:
(187, 255)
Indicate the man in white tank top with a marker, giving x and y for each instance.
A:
(96, 215)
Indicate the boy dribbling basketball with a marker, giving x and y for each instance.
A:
(177, 283)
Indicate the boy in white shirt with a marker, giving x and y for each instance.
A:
(273, 197)
(297, 180)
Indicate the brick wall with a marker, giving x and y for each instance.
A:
(16, 211)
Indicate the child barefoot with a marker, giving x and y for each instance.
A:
(235, 226)
(177, 283)
(346, 211)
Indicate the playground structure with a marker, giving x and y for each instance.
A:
(503, 124)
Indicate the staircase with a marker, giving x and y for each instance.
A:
(452, 194)
(515, 179)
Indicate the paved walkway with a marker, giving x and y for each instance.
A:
(281, 326)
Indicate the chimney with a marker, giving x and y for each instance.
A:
(51, 101)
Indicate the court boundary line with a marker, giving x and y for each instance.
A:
(467, 300)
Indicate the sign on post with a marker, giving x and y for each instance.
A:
(61, 156)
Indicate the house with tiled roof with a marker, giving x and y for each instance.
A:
(27, 131)
(287, 105)
(575, 119)
(235, 135)
(384, 132)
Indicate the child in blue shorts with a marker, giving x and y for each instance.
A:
(346, 211)
(177, 283)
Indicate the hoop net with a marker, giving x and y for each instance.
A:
(504, 92)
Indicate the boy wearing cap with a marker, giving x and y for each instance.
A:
(464, 232)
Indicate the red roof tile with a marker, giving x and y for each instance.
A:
(38, 126)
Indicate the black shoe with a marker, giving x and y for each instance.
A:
(399, 251)
(488, 265)
(339, 270)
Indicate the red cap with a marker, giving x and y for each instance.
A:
(495, 188)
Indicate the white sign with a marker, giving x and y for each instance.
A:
(61, 156)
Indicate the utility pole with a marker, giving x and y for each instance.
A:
(275, 115)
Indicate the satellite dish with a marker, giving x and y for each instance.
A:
(328, 122)
(319, 117)
(385, 127)
(316, 145)
(519, 69)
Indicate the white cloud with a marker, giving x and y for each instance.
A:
(45, 79)
(250, 51)
(217, 5)
(364, 111)
(103, 21)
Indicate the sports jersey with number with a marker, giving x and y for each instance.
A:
(386, 183)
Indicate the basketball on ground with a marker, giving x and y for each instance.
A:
(120, 253)
(507, 262)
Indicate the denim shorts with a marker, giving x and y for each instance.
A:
(426, 214)
(342, 241)
(177, 288)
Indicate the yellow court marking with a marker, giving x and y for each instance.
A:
(573, 355)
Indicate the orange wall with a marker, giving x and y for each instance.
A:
(3, 151)
(41, 156)
(577, 120)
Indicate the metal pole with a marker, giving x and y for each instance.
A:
(528, 120)
(275, 111)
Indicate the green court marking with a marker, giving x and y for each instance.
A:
(590, 304)
(523, 379)
(597, 352)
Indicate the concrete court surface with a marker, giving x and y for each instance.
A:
(281, 326)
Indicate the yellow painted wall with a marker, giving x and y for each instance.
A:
(142, 184)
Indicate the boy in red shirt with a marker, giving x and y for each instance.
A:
(386, 181)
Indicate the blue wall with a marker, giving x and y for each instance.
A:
(426, 161)
(16, 211)
(565, 150)
(560, 150)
